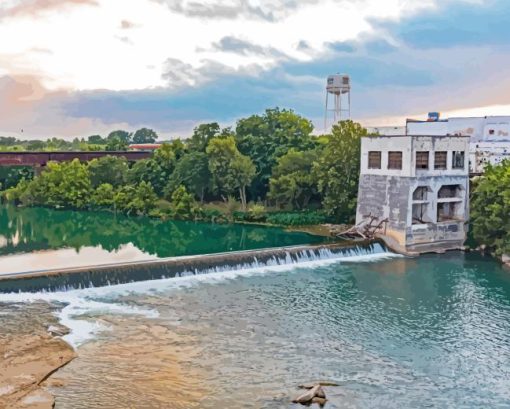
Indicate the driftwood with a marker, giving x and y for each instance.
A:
(321, 383)
(315, 392)
(365, 230)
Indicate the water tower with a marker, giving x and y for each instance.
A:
(339, 85)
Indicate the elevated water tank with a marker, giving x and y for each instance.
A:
(338, 84)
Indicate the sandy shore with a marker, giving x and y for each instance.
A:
(29, 356)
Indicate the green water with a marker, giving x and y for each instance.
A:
(31, 237)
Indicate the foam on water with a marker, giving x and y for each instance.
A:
(85, 305)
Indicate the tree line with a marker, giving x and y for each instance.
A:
(117, 140)
(266, 165)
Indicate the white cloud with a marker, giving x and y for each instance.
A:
(88, 48)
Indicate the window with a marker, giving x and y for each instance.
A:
(422, 160)
(394, 160)
(420, 193)
(449, 191)
(440, 160)
(374, 160)
(458, 160)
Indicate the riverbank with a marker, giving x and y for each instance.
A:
(30, 354)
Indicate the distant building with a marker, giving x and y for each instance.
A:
(489, 136)
(416, 188)
(144, 146)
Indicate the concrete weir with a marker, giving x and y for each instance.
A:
(104, 275)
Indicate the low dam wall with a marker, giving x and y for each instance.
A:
(104, 275)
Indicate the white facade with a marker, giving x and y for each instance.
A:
(490, 136)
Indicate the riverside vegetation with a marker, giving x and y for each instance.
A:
(270, 168)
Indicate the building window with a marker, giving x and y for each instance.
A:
(440, 160)
(420, 193)
(422, 160)
(394, 160)
(458, 160)
(374, 160)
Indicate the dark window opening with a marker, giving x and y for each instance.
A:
(440, 160)
(449, 191)
(448, 211)
(458, 160)
(420, 193)
(374, 160)
(420, 215)
(394, 160)
(491, 131)
(422, 160)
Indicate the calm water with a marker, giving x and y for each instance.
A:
(34, 239)
(393, 332)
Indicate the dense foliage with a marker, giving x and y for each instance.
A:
(490, 208)
(270, 169)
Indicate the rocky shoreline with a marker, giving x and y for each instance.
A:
(27, 360)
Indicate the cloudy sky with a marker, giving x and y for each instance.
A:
(76, 67)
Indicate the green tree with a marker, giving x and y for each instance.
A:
(104, 195)
(65, 184)
(96, 140)
(135, 199)
(191, 171)
(108, 169)
(145, 135)
(116, 144)
(231, 170)
(120, 135)
(202, 134)
(337, 169)
(183, 203)
(490, 208)
(264, 138)
(293, 182)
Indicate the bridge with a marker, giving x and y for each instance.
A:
(40, 159)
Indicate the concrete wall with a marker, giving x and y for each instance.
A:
(408, 145)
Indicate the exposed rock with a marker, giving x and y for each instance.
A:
(319, 401)
(58, 331)
(307, 397)
(26, 362)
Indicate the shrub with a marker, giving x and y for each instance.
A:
(297, 218)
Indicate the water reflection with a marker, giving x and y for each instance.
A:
(29, 230)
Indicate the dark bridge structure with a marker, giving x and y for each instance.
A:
(40, 159)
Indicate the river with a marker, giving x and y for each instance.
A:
(391, 331)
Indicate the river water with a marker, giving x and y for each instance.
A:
(392, 332)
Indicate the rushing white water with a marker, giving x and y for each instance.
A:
(84, 305)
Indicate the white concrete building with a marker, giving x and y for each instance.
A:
(417, 189)
(489, 136)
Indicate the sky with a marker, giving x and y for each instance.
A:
(73, 68)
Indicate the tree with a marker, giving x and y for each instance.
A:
(337, 169)
(103, 196)
(293, 182)
(230, 169)
(137, 199)
(490, 208)
(183, 203)
(202, 134)
(96, 140)
(145, 135)
(264, 138)
(120, 135)
(108, 169)
(191, 171)
(116, 144)
(65, 184)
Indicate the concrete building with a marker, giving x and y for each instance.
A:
(416, 188)
(489, 136)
